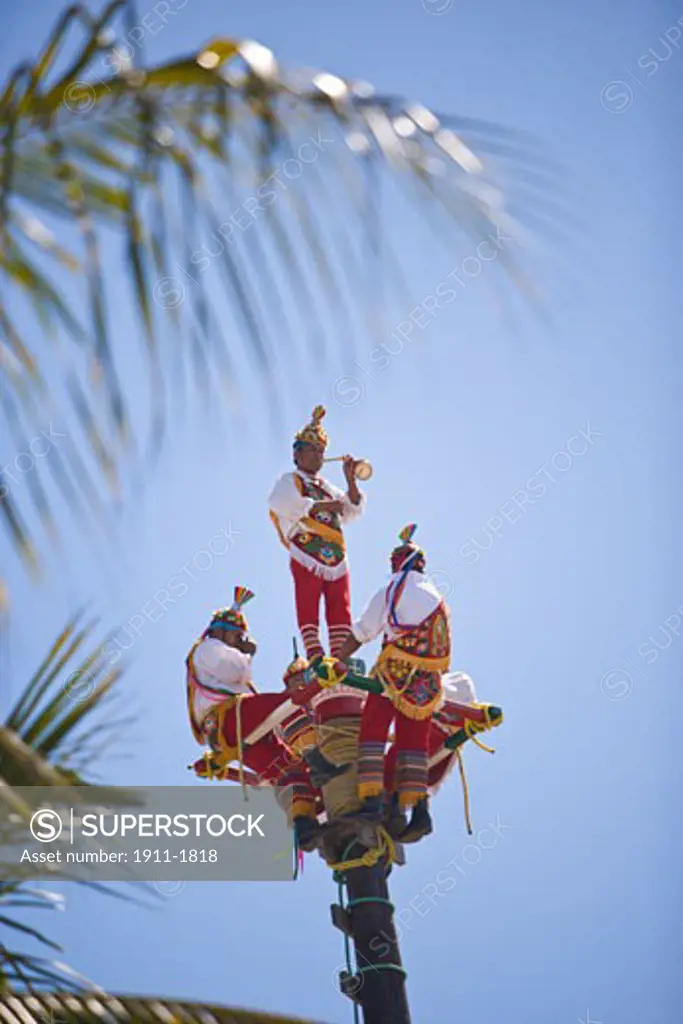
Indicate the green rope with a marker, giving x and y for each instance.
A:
(340, 879)
(347, 945)
(382, 967)
(370, 899)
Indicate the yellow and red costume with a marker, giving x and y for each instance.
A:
(224, 708)
(416, 650)
(316, 545)
(458, 689)
(297, 731)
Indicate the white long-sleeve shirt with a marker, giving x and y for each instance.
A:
(417, 601)
(458, 687)
(290, 508)
(223, 670)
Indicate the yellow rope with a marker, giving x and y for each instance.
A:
(240, 744)
(471, 727)
(465, 791)
(328, 674)
(370, 857)
(339, 738)
(226, 753)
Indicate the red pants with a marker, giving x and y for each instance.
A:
(269, 758)
(435, 742)
(412, 738)
(308, 589)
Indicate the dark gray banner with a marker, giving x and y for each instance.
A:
(145, 834)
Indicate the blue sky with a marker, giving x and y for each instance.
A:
(539, 460)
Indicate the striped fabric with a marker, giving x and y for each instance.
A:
(338, 635)
(312, 645)
(297, 732)
(303, 794)
(370, 769)
(411, 776)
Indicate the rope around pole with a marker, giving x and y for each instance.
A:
(347, 948)
(385, 848)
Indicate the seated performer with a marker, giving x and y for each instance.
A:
(298, 731)
(224, 708)
(416, 649)
(308, 513)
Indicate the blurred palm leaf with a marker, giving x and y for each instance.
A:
(51, 737)
(177, 162)
(72, 1009)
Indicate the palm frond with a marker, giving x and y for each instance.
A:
(97, 150)
(93, 1008)
(51, 737)
(21, 972)
(56, 713)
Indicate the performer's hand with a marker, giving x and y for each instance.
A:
(349, 466)
(301, 693)
(340, 669)
(350, 473)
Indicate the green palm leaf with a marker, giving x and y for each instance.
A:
(102, 147)
(51, 737)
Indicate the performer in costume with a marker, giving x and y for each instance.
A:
(416, 650)
(298, 732)
(458, 689)
(224, 708)
(308, 513)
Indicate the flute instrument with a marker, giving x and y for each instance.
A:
(363, 469)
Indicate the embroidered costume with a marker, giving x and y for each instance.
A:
(458, 689)
(416, 650)
(316, 546)
(224, 707)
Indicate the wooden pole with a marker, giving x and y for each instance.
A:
(379, 984)
(381, 988)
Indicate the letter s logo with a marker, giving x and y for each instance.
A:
(46, 826)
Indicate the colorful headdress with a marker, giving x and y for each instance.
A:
(407, 554)
(405, 557)
(232, 617)
(314, 432)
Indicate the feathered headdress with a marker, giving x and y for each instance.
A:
(407, 554)
(314, 432)
(233, 617)
(405, 557)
